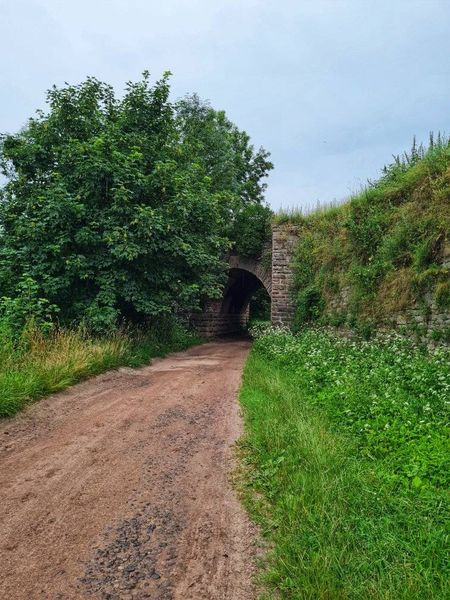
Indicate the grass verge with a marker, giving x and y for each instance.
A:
(37, 365)
(345, 465)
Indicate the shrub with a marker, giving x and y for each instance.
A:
(26, 310)
(124, 208)
(251, 230)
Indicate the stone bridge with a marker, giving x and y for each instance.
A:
(245, 276)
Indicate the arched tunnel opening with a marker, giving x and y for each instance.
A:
(245, 297)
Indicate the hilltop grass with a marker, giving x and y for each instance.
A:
(345, 459)
(36, 364)
(381, 251)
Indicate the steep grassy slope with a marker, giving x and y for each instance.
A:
(384, 251)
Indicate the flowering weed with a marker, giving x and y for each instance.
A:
(347, 449)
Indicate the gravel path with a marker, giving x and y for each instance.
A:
(118, 488)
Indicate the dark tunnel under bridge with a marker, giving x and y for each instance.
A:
(246, 276)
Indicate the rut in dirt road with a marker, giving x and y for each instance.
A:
(119, 487)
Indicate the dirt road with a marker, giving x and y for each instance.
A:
(118, 488)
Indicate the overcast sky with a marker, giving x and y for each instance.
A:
(331, 88)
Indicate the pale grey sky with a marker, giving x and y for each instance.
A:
(331, 88)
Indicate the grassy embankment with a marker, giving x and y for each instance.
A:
(37, 364)
(382, 251)
(346, 466)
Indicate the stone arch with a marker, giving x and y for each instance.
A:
(219, 316)
(230, 313)
(255, 267)
(241, 286)
(245, 277)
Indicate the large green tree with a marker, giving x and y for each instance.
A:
(123, 207)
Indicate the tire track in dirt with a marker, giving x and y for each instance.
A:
(118, 488)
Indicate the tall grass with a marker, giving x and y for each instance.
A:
(36, 364)
(298, 214)
(345, 459)
(432, 158)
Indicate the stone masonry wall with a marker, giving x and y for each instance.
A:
(284, 239)
(430, 323)
(212, 323)
(425, 321)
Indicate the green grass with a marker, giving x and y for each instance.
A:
(382, 250)
(297, 215)
(37, 364)
(345, 466)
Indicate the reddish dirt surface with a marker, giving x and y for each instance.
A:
(119, 487)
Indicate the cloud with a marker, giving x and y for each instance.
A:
(331, 88)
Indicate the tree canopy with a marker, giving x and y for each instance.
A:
(123, 207)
